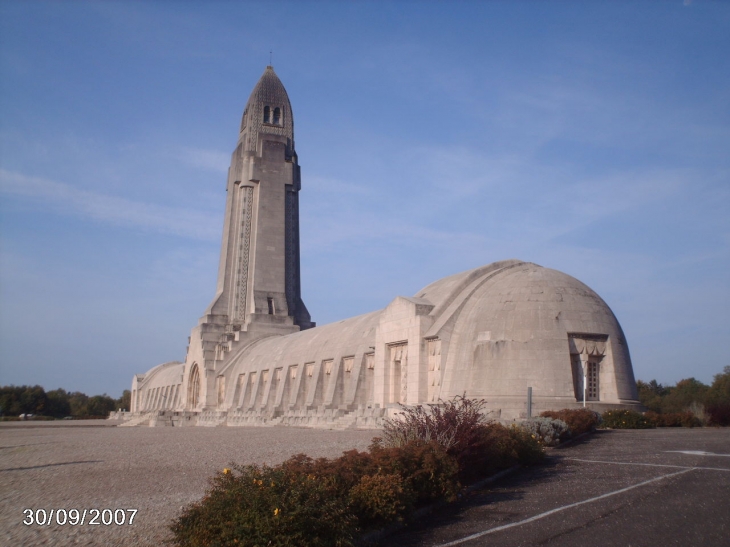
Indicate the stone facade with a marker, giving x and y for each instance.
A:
(255, 357)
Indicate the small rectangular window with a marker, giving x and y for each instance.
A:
(592, 382)
(270, 301)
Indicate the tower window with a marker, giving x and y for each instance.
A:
(267, 114)
(277, 116)
(270, 302)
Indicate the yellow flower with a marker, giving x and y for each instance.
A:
(261, 482)
(226, 471)
(276, 512)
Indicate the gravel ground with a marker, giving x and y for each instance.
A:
(87, 465)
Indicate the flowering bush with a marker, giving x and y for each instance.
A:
(579, 420)
(251, 506)
(547, 431)
(327, 502)
(625, 419)
(379, 498)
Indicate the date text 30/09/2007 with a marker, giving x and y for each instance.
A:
(79, 517)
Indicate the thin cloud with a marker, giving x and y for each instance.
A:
(112, 209)
(330, 185)
(212, 160)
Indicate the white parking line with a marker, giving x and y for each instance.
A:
(651, 464)
(563, 508)
(698, 453)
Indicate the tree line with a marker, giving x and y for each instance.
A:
(690, 395)
(58, 403)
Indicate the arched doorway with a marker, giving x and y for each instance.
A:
(194, 387)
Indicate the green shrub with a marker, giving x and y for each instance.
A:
(579, 420)
(429, 472)
(498, 448)
(673, 419)
(547, 431)
(379, 499)
(526, 447)
(625, 419)
(326, 502)
(254, 506)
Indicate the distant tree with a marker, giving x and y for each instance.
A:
(100, 405)
(651, 394)
(125, 401)
(79, 403)
(717, 399)
(16, 400)
(58, 403)
(719, 391)
(34, 400)
(10, 400)
(681, 396)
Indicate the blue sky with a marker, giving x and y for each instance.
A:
(587, 137)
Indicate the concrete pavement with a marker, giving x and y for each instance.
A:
(641, 488)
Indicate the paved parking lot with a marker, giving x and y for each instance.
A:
(655, 487)
(155, 470)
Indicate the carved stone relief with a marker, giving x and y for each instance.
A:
(399, 372)
(434, 369)
(244, 246)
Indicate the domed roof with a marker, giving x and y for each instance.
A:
(523, 301)
(268, 93)
(522, 319)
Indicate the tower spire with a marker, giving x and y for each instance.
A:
(258, 276)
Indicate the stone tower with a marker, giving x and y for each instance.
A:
(258, 291)
(258, 276)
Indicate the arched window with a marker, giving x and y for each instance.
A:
(267, 114)
(277, 116)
